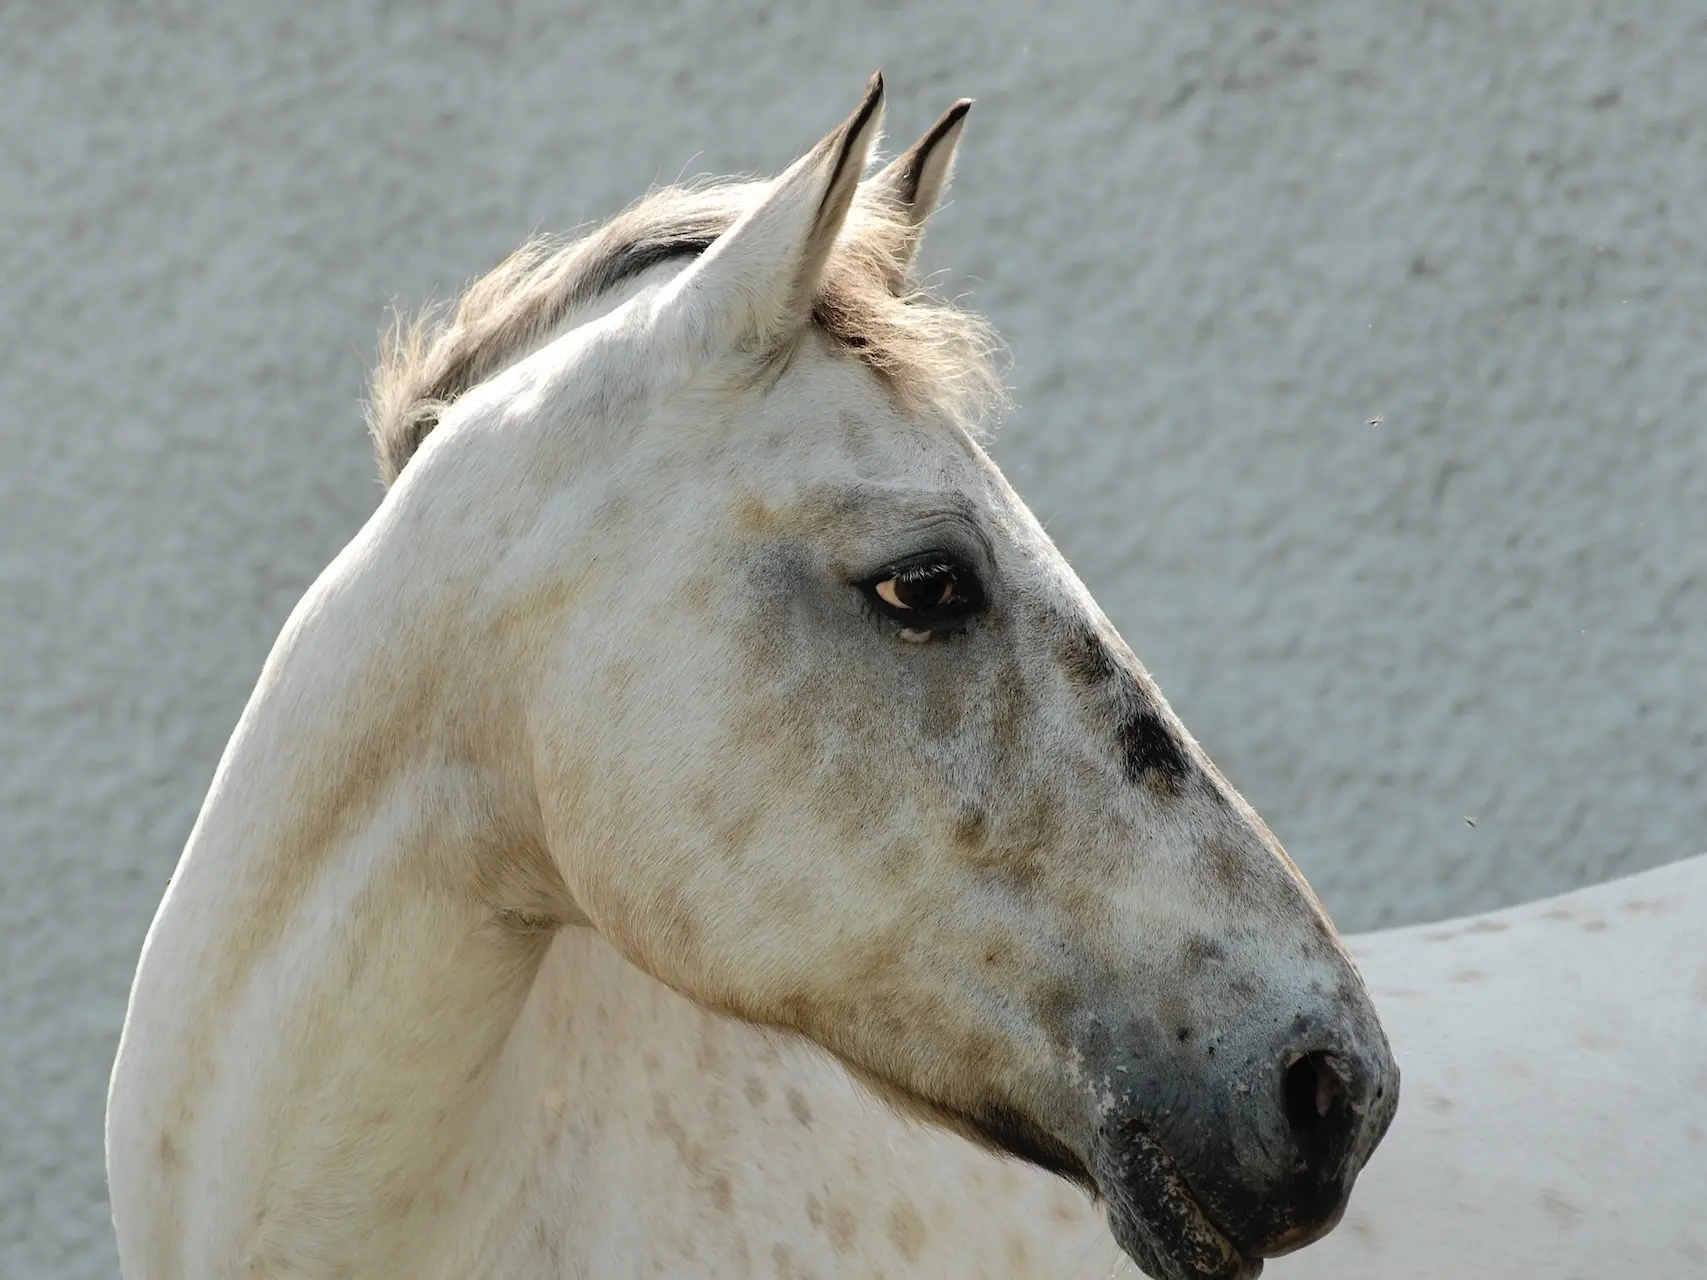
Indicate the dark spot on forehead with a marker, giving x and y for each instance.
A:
(1086, 658)
(1149, 751)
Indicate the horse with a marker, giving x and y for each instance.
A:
(701, 754)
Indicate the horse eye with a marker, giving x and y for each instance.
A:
(919, 588)
(926, 597)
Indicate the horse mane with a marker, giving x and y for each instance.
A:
(931, 353)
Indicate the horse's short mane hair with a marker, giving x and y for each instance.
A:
(930, 352)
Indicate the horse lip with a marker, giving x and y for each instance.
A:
(1155, 1217)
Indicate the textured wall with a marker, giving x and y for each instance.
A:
(1361, 349)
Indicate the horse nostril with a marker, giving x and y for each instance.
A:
(1316, 1095)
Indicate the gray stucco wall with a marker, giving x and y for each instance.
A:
(1361, 349)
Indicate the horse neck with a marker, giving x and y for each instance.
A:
(668, 1139)
(326, 969)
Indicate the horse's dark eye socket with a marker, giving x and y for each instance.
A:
(922, 588)
(927, 597)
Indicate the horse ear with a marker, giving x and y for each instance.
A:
(755, 284)
(916, 179)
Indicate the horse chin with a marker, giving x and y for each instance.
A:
(1151, 1210)
(1157, 1221)
(1152, 1213)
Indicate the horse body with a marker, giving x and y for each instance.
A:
(697, 638)
(655, 1138)
(1556, 1076)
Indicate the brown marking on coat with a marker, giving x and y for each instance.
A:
(1487, 926)
(1036, 838)
(1229, 867)
(1440, 935)
(1200, 952)
(786, 1267)
(399, 1204)
(167, 1152)
(1086, 659)
(1437, 1101)
(614, 512)
(1594, 926)
(787, 900)
(907, 1230)
(755, 1091)
(1646, 906)
(722, 1193)
(999, 954)
(1064, 1209)
(698, 593)
(844, 1228)
(752, 516)
(1467, 975)
(672, 921)
(1019, 1254)
(1054, 1001)
(1560, 1208)
(971, 831)
(1558, 913)
(799, 1108)
(664, 1121)
(502, 620)
(1025, 866)
(620, 678)
(1008, 707)
(709, 1055)
(736, 836)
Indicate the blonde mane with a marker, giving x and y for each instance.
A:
(931, 353)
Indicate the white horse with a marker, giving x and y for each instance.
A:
(697, 638)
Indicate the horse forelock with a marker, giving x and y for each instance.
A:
(931, 353)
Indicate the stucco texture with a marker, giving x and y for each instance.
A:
(1360, 348)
